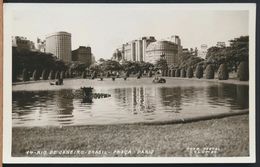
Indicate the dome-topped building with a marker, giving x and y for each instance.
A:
(162, 49)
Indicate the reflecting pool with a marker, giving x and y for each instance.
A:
(127, 104)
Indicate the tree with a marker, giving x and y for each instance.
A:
(131, 67)
(188, 59)
(173, 73)
(243, 72)
(231, 56)
(239, 51)
(150, 73)
(70, 73)
(190, 72)
(223, 72)
(44, 75)
(83, 74)
(145, 66)
(95, 67)
(177, 73)
(216, 56)
(209, 72)
(183, 73)
(25, 76)
(35, 75)
(199, 71)
(78, 66)
(62, 75)
(57, 75)
(34, 60)
(67, 75)
(110, 65)
(161, 64)
(51, 75)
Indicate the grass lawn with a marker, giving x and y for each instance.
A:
(230, 135)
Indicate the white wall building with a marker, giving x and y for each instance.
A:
(59, 44)
(202, 52)
(162, 49)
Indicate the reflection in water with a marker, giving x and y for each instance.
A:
(233, 96)
(171, 97)
(142, 103)
(64, 107)
(242, 96)
(87, 100)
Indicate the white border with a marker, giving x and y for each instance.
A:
(7, 93)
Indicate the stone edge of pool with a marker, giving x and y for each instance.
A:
(230, 81)
(196, 118)
(160, 122)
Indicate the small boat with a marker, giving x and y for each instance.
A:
(159, 80)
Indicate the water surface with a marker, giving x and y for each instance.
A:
(127, 104)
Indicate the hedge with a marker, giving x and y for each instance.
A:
(25, 75)
(51, 75)
(183, 73)
(190, 72)
(243, 71)
(57, 75)
(223, 72)
(199, 71)
(35, 75)
(209, 72)
(177, 73)
(44, 75)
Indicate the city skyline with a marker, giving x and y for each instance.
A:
(105, 27)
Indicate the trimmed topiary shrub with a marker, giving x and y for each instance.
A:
(62, 75)
(183, 73)
(163, 73)
(51, 75)
(223, 72)
(243, 71)
(67, 74)
(25, 75)
(167, 74)
(173, 73)
(14, 76)
(190, 72)
(35, 76)
(44, 75)
(209, 72)
(83, 75)
(199, 71)
(57, 75)
(150, 73)
(177, 73)
(70, 73)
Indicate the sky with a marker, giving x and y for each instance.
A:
(106, 27)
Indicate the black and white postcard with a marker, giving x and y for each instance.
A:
(129, 83)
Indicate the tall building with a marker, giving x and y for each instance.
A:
(203, 51)
(41, 45)
(59, 44)
(221, 44)
(176, 39)
(117, 55)
(162, 49)
(82, 54)
(93, 59)
(135, 50)
(22, 43)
